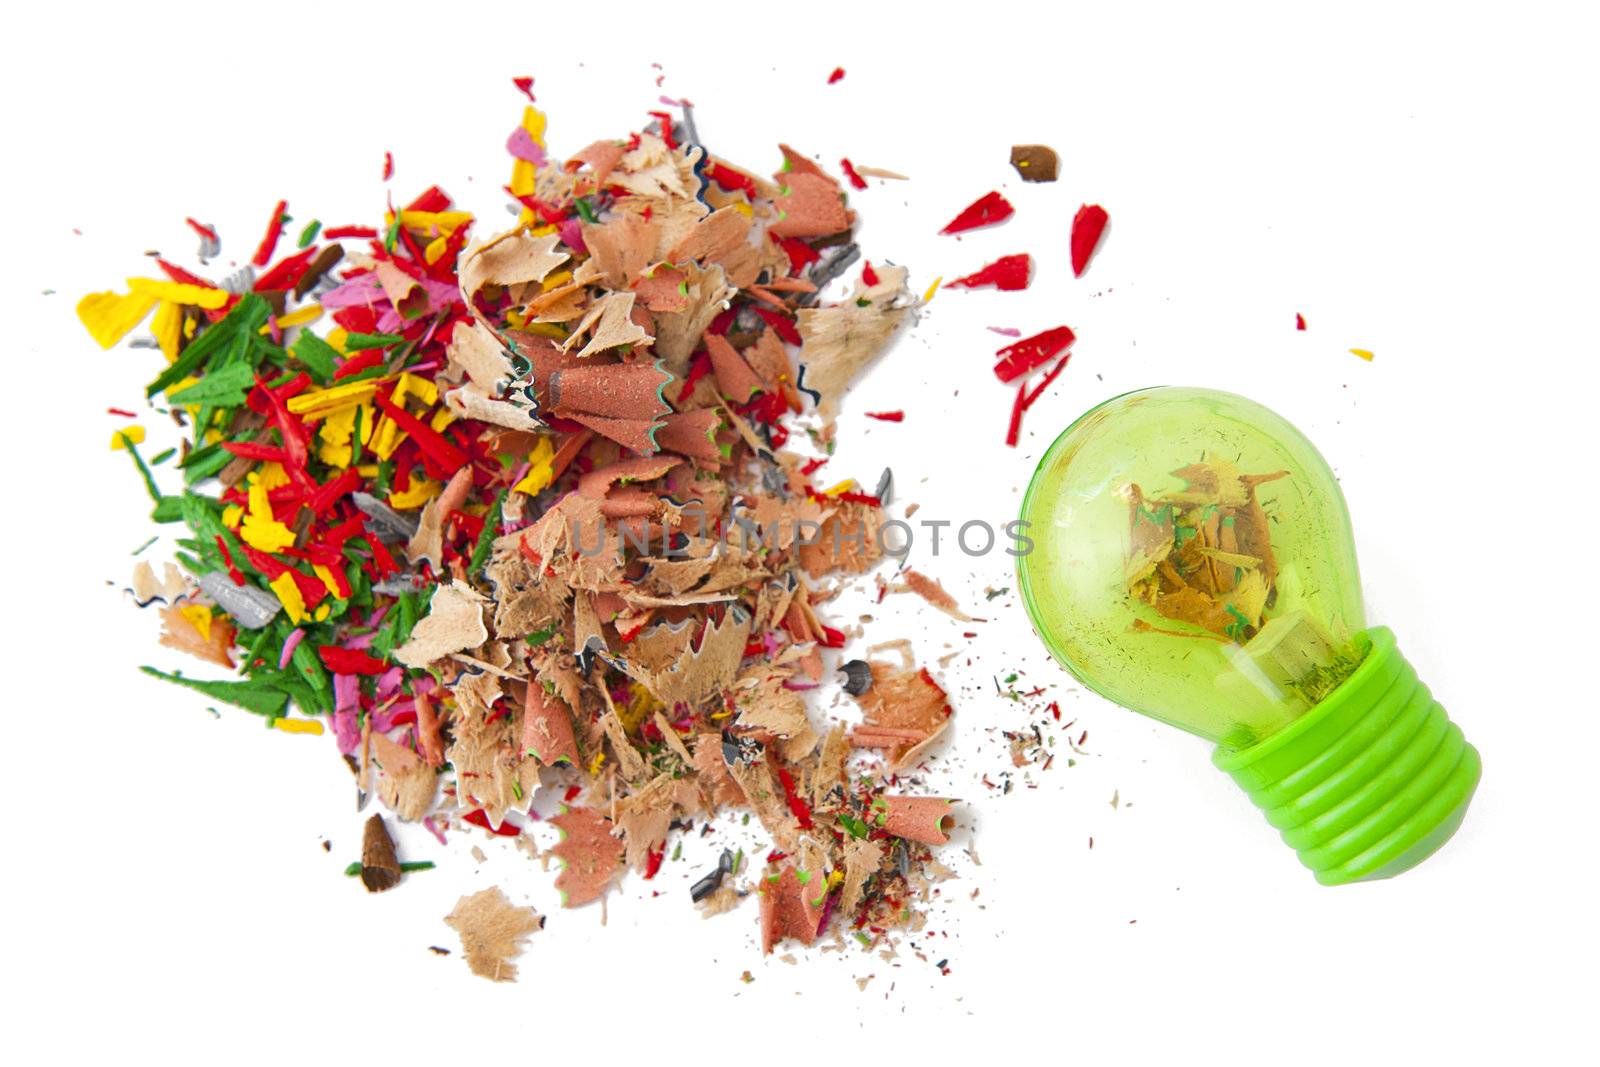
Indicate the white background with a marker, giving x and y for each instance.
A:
(1417, 182)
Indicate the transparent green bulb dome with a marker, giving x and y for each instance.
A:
(1193, 560)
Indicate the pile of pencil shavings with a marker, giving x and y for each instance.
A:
(525, 518)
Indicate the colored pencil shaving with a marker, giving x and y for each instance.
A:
(514, 516)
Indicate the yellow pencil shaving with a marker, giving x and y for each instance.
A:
(1363, 353)
(431, 223)
(110, 316)
(540, 470)
(179, 292)
(327, 401)
(390, 435)
(128, 435)
(168, 328)
(534, 121)
(297, 726)
(260, 530)
(337, 433)
(523, 172)
(270, 476)
(522, 183)
(297, 317)
(327, 580)
(289, 596)
(421, 388)
(932, 289)
(199, 617)
(418, 493)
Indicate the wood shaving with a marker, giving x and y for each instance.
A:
(493, 932)
(592, 450)
(839, 342)
(454, 623)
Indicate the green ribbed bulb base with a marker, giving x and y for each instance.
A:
(1368, 783)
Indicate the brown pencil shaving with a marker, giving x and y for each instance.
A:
(1034, 162)
(380, 870)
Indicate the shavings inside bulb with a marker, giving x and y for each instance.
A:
(1202, 556)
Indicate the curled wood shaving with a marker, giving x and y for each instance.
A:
(840, 341)
(428, 542)
(678, 333)
(476, 355)
(511, 258)
(454, 623)
(607, 324)
(408, 784)
(621, 248)
(697, 672)
(905, 711)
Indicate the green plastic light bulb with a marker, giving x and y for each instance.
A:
(1192, 560)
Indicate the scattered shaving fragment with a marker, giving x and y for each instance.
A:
(380, 869)
(1035, 162)
(990, 209)
(1023, 357)
(493, 932)
(905, 713)
(147, 588)
(857, 676)
(1008, 273)
(1087, 227)
(916, 582)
